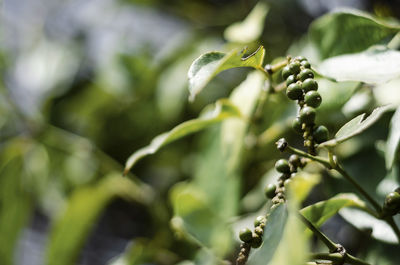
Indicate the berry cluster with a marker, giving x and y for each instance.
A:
(302, 87)
(391, 206)
(253, 239)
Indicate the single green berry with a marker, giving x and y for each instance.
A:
(259, 221)
(294, 160)
(286, 72)
(259, 231)
(300, 58)
(307, 115)
(290, 80)
(305, 74)
(320, 134)
(245, 235)
(294, 67)
(313, 99)
(305, 64)
(282, 166)
(296, 125)
(309, 84)
(392, 200)
(256, 241)
(294, 91)
(270, 190)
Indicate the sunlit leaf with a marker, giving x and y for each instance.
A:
(223, 109)
(348, 31)
(196, 219)
(251, 28)
(210, 64)
(364, 221)
(320, 212)
(273, 233)
(357, 126)
(393, 141)
(84, 207)
(376, 65)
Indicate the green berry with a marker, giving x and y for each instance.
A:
(269, 191)
(300, 58)
(295, 160)
(282, 166)
(245, 235)
(313, 99)
(392, 201)
(309, 84)
(286, 72)
(290, 80)
(259, 221)
(305, 74)
(320, 134)
(294, 91)
(259, 231)
(296, 125)
(307, 115)
(305, 64)
(256, 241)
(294, 67)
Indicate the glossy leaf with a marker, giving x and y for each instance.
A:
(348, 31)
(210, 64)
(357, 126)
(223, 109)
(393, 141)
(379, 229)
(84, 207)
(251, 28)
(376, 65)
(320, 212)
(273, 233)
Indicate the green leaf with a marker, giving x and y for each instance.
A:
(210, 64)
(348, 31)
(364, 221)
(273, 233)
(320, 212)
(393, 141)
(84, 207)
(251, 28)
(223, 109)
(376, 65)
(357, 126)
(195, 219)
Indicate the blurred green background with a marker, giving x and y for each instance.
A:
(85, 83)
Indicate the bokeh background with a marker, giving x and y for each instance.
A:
(87, 82)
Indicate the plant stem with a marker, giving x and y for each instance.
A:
(335, 257)
(319, 159)
(340, 169)
(393, 225)
(329, 243)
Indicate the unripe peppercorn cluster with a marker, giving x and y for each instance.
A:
(301, 86)
(391, 206)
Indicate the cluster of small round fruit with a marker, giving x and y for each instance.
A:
(302, 87)
(391, 206)
(253, 239)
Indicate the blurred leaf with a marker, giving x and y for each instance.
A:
(318, 213)
(387, 93)
(357, 126)
(301, 185)
(334, 94)
(374, 66)
(85, 205)
(223, 109)
(273, 233)
(208, 65)
(364, 221)
(348, 31)
(393, 141)
(16, 202)
(251, 28)
(196, 220)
